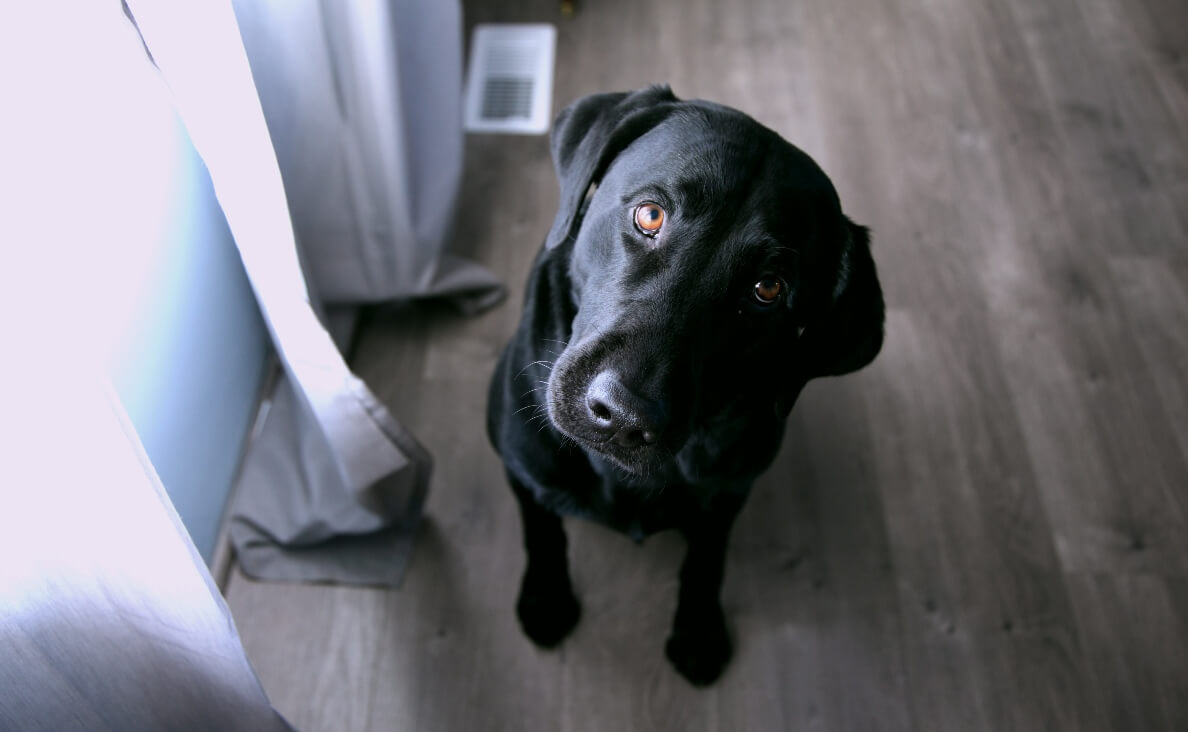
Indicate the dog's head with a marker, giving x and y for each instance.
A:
(713, 273)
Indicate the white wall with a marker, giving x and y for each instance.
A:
(189, 364)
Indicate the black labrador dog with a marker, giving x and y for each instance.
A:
(698, 273)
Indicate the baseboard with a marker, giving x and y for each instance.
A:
(222, 559)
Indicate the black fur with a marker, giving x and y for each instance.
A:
(647, 386)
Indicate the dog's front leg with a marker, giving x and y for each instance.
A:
(699, 646)
(547, 607)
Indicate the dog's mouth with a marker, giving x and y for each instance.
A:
(643, 461)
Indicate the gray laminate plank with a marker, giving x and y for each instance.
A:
(1013, 626)
(1061, 325)
(1137, 632)
(1154, 296)
(313, 648)
(860, 658)
(450, 656)
(988, 628)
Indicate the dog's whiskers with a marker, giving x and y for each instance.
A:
(565, 441)
(533, 390)
(547, 364)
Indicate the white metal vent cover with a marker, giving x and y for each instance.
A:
(509, 84)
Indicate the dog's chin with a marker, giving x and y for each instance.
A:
(639, 462)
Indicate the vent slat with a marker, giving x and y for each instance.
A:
(507, 97)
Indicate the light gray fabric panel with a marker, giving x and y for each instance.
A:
(364, 105)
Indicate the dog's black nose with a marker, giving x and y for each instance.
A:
(620, 414)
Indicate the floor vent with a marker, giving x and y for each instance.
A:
(509, 85)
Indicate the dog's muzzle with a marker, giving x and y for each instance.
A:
(618, 415)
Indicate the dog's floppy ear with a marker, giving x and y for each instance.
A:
(588, 135)
(849, 334)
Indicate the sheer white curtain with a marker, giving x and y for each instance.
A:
(109, 619)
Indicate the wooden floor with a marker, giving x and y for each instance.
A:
(985, 530)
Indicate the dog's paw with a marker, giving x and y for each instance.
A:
(700, 648)
(547, 611)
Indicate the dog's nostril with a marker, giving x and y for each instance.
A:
(600, 410)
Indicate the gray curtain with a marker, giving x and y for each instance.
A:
(363, 102)
(337, 169)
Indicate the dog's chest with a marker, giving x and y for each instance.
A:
(633, 509)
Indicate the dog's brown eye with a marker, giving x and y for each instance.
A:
(649, 217)
(769, 289)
